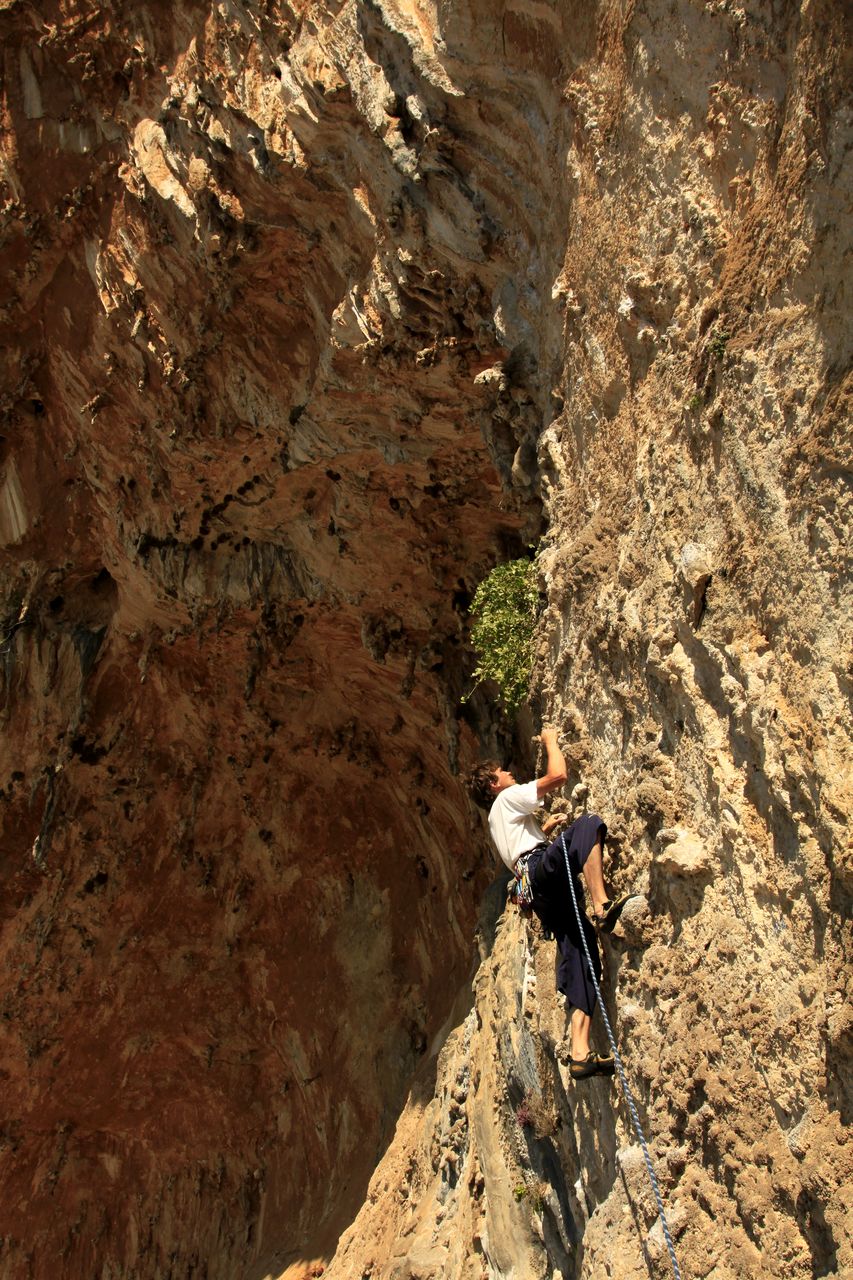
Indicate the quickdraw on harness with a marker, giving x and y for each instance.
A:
(522, 891)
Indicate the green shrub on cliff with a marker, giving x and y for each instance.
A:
(504, 614)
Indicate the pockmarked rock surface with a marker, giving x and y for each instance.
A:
(310, 314)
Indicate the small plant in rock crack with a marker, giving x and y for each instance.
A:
(718, 343)
(504, 612)
(523, 1114)
(694, 404)
(538, 1194)
(533, 1113)
(519, 1192)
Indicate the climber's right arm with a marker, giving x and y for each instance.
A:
(555, 774)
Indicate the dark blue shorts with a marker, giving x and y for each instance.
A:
(552, 902)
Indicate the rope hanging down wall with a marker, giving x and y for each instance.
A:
(626, 1089)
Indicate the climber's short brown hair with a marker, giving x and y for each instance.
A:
(480, 781)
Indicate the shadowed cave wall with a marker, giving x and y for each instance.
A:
(272, 352)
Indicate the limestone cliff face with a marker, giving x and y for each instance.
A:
(311, 313)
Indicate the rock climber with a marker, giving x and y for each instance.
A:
(522, 844)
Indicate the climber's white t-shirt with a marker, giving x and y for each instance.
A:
(513, 827)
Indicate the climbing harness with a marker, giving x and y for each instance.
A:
(521, 890)
(626, 1089)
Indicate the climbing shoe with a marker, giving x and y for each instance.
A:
(592, 1065)
(606, 919)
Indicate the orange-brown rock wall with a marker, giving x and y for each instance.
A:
(249, 254)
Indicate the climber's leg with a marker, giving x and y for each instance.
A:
(586, 855)
(580, 1023)
(593, 874)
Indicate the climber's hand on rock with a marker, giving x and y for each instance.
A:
(554, 821)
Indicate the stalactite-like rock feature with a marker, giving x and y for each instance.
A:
(309, 312)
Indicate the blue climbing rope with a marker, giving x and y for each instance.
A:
(626, 1088)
